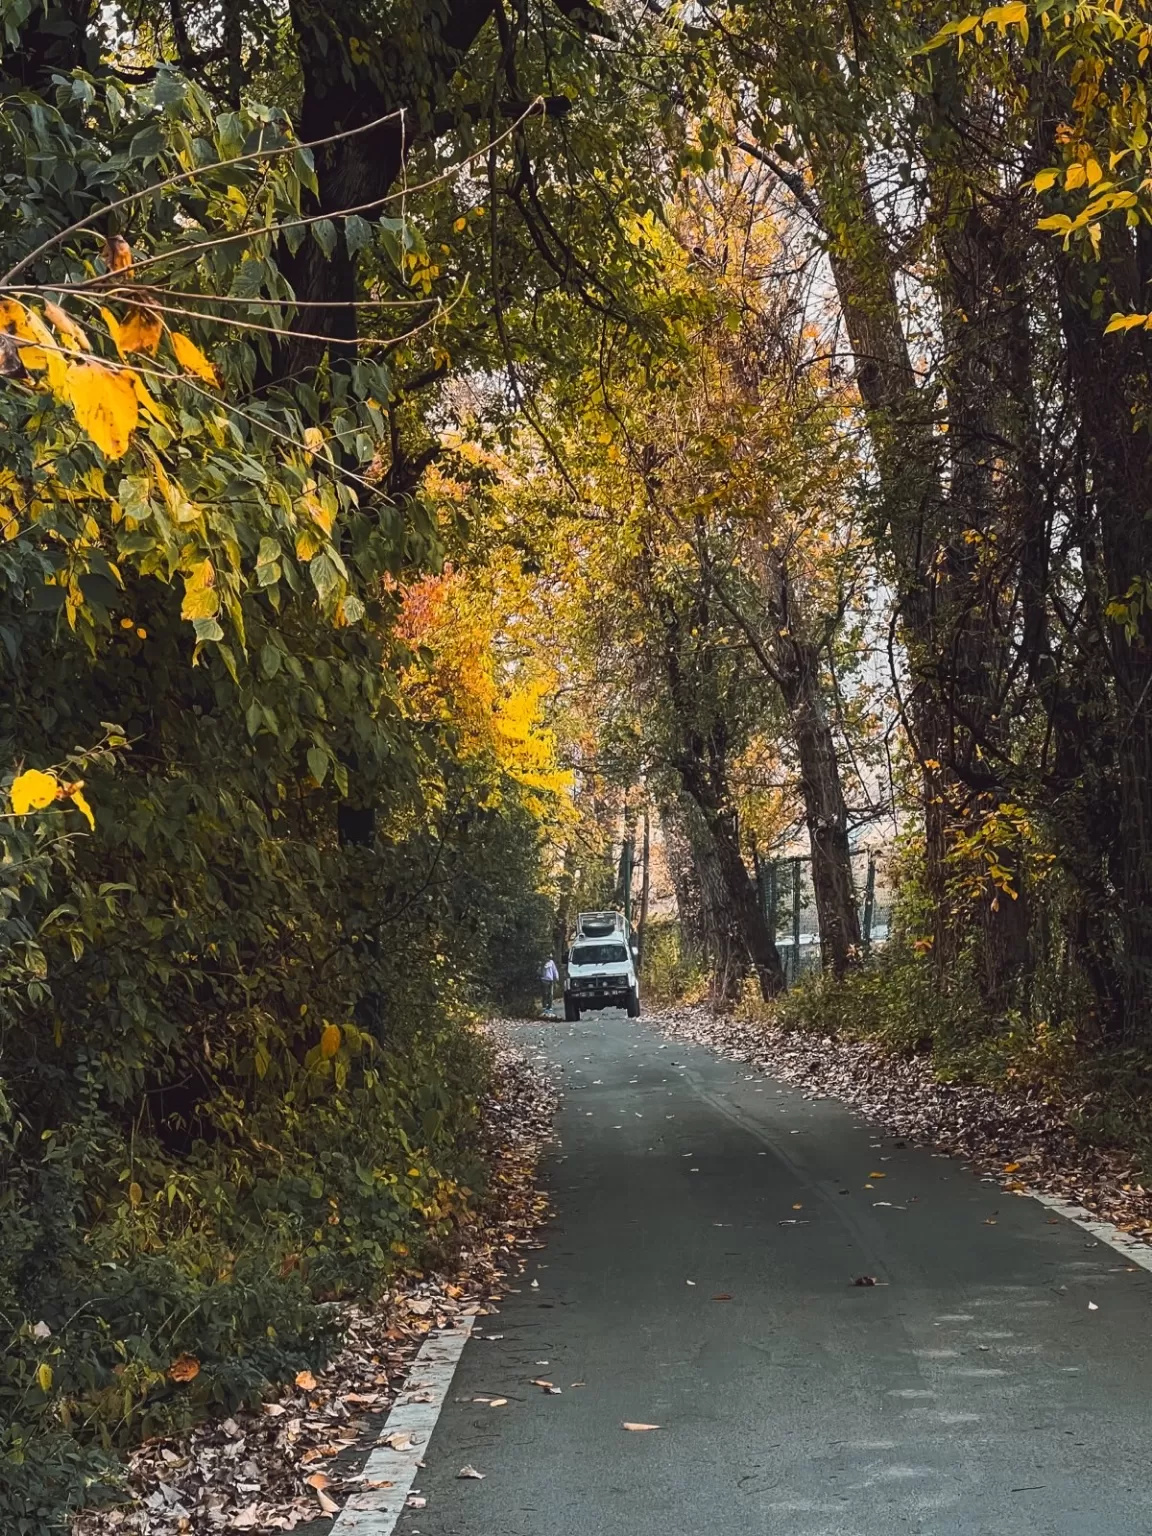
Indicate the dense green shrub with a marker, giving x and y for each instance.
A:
(237, 1072)
(671, 970)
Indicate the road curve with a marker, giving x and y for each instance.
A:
(698, 1276)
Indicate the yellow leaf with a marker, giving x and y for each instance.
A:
(105, 405)
(318, 512)
(191, 359)
(33, 790)
(1060, 222)
(306, 1381)
(80, 802)
(13, 318)
(1075, 176)
(135, 1193)
(1120, 322)
(44, 1377)
(1046, 179)
(1011, 1167)
(117, 254)
(67, 327)
(201, 600)
(308, 543)
(460, 224)
(330, 1040)
(140, 331)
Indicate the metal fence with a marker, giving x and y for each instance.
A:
(785, 886)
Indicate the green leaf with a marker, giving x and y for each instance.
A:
(325, 577)
(357, 234)
(318, 763)
(324, 234)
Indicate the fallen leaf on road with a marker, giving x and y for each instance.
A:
(864, 1280)
(627, 1425)
(398, 1440)
(329, 1506)
(245, 1519)
(722, 1296)
(538, 1381)
(1092, 1307)
(877, 1175)
(498, 1402)
(413, 1501)
(306, 1381)
(471, 1472)
(317, 1480)
(797, 1207)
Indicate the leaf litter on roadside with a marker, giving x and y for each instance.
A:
(275, 1467)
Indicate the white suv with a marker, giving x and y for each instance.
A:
(601, 970)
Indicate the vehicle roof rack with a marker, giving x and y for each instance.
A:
(600, 925)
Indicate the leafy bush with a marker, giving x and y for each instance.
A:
(242, 937)
(671, 971)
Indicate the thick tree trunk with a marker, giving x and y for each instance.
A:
(907, 460)
(678, 853)
(826, 815)
(733, 886)
(341, 94)
(725, 923)
(1113, 380)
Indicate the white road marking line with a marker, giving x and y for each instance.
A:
(376, 1511)
(1104, 1232)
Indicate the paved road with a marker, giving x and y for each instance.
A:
(971, 1391)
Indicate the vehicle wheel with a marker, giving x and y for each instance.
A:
(571, 1010)
(633, 1004)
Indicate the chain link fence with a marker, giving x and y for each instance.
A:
(785, 886)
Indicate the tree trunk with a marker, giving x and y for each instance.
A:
(1113, 379)
(745, 917)
(725, 933)
(399, 82)
(678, 852)
(645, 889)
(826, 815)
(907, 460)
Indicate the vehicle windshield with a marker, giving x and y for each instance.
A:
(598, 954)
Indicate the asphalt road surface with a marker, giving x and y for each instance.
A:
(698, 1276)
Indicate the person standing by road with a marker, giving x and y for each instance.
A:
(549, 976)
